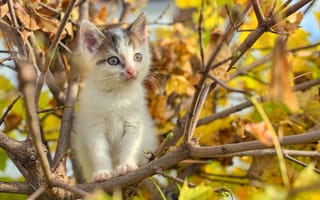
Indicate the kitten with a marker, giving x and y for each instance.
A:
(112, 126)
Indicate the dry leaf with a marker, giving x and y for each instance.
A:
(289, 24)
(261, 132)
(12, 121)
(280, 86)
(3, 10)
(47, 24)
(26, 17)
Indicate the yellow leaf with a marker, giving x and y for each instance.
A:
(178, 84)
(183, 4)
(200, 192)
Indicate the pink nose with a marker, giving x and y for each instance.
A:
(131, 71)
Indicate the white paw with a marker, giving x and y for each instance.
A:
(101, 175)
(123, 169)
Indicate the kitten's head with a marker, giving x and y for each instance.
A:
(116, 57)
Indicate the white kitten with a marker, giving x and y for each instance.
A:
(112, 126)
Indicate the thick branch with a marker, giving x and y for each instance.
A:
(265, 152)
(19, 188)
(207, 152)
(27, 78)
(188, 151)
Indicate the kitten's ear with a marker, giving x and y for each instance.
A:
(90, 36)
(139, 27)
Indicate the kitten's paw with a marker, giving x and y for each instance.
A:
(123, 169)
(102, 175)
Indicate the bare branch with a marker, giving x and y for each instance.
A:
(264, 152)
(258, 11)
(262, 28)
(27, 78)
(241, 106)
(208, 152)
(19, 188)
(186, 151)
(66, 123)
(300, 162)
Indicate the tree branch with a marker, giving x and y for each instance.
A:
(258, 11)
(66, 123)
(208, 152)
(186, 151)
(246, 104)
(18, 188)
(52, 48)
(263, 27)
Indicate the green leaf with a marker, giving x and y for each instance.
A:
(3, 160)
(200, 192)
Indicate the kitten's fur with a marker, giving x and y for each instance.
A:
(112, 126)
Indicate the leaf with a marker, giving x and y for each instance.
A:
(12, 122)
(3, 159)
(271, 192)
(261, 132)
(3, 10)
(199, 192)
(188, 4)
(47, 24)
(98, 195)
(178, 84)
(26, 18)
(307, 177)
(280, 87)
(289, 24)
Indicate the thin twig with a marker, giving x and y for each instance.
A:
(12, 14)
(175, 178)
(200, 33)
(6, 112)
(165, 10)
(262, 28)
(54, 109)
(75, 190)
(37, 193)
(66, 123)
(241, 106)
(300, 162)
(225, 86)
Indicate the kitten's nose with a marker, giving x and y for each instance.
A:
(131, 72)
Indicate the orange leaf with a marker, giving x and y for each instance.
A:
(261, 132)
(11, 122)
(280, 86)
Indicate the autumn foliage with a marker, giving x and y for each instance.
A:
(233, 91)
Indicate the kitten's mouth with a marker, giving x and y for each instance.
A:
(129, 78)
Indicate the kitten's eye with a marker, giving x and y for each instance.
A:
(113, 60)
(137, 57)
